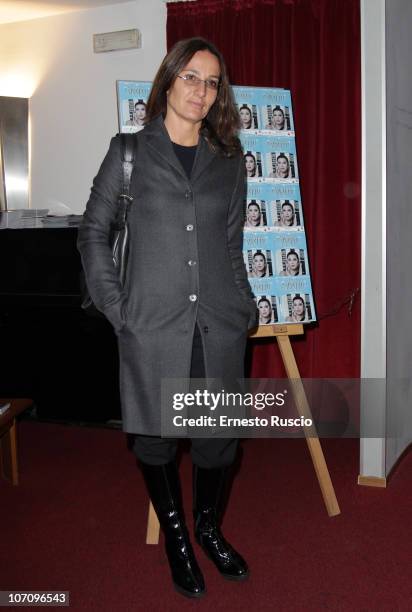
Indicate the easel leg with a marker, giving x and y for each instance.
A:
(8, 448)
(153, 527)
(313, 443)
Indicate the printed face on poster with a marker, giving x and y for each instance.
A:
(131, 104)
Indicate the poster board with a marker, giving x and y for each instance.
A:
(131, 104)
(274, 246)
(274, 242)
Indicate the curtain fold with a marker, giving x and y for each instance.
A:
(311, 47)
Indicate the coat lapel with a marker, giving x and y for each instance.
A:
(158, 138)
(204, 157)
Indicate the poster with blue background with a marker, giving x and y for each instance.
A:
(131, 104)
(274, 241)
(274, 247)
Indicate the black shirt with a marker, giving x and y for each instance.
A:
(186, 156)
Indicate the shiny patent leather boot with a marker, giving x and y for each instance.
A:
(208, 492)
(164, 489)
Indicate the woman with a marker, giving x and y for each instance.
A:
(259, 265)
(282, 167)
(188, 190)
(245, 117)
(298, 310)
(139, 114)
(287, 215)
(278, 119)
(292, 264)
(251, 165)
(253, 215)
(265, 311)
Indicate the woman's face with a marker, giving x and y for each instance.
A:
(277, 118)
(253, 212)
(287, 214)
(139, 112)
(259, 263)
(250, 164)
(189, 103)
(282, 166)
(265, 310)
(245, 118)
(298, 307)
(292, 262)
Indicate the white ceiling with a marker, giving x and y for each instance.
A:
(22, 10)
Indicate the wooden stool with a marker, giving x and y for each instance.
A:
(8, 441)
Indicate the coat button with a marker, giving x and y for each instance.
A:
(188, 194)
(189, 228)
(206, 329)
(193, 297)
(191, 262)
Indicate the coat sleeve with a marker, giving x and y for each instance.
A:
(93, 239)
(235, 242)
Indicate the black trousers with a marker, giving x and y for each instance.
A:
(206, 452)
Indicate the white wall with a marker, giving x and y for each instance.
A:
(73, 110)
(399, 227)
(373, 326)
(386, 229)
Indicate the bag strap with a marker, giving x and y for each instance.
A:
(129, 146)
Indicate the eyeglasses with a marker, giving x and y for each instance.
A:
(193, 81)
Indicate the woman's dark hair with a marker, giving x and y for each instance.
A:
(287, 203)
(253, 203)
(140, 102)
(245, 106)
(282, 156)
(259, 253)
(220, 127)
(292, 252)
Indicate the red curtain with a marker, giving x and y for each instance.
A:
(311, 47)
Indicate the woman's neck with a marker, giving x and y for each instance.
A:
(182, 132)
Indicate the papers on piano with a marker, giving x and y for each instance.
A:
(33, 213)
(35, 218)
(63, 221)
(4, 408)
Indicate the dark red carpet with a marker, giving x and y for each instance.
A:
(77, 522)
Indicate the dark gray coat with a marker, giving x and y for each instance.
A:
(172, 221)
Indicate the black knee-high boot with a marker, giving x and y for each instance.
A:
(163, 485)
(208, 493)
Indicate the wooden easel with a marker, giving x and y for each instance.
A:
(282, 333)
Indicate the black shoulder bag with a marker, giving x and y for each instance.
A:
(119, 232)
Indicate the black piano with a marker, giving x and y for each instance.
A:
(51, 351)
